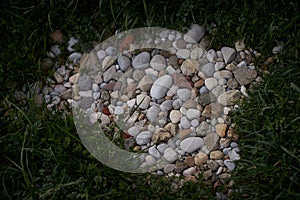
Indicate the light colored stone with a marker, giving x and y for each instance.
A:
(141, 61)
(154, 152)
(210, 83)
(183, 53)
(169, 168)
(244, 75)
(161, 86)
(211, 56)
(170, 155)
(221, 129)
(216, 155)
(212, 141)
(190, 67)
(228, 98)
(228, 54)
(158, 62)
(193, 114)
(145, 83)
(229, 164)
(195, 34)
(108, 61)
(191, 144)
(143, 101)
(233, 155)
(175, 116)
(184, 94)
(189, 171)
(143, 138)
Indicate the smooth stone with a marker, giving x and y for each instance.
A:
(216, 155)
(119, 110)
(189, 171)
(223, 74)
(143, 101)
(169, 168)
(158, 62)
(133, 131)
(108, 61)
(219, 65)
(218, 90)
(101, 54)
(177, 103)
(86, 102)
(181, 81)
(166, 105)
(195, 122)
(170, 155)
(226, 150)
(152, 113)
(221, 129)
(229, 164)
(162, 147)
(184, 94)
(212, 141)
(232, 83)
(86, 93)
(191, 144)
(143, 138)
(183, 53)
(195, 34)
(175, 116)
(141, 61)
(161, 86)
(60, 88)
(203, 90)
(184, 133)
(228, 54)
(233, 144)
(111, 51)
(185, 123)
(95, 87)
(190, 67)
(193, 114)
(67, 94)
(244, 75)
(75, 57)
(179, 44)
(208, 69)
(104, 120)
(233, 155)
(228, 98)
(210, 83)
(197, 53)
(146, 83)
(204, 99)
(124, 62)
(154, 152)
(211, 56)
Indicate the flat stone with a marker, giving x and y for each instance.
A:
(184, 133)
(143, 100)
(101, 54)
(204, 99)
(211, 56)
(124, 62)
(228, 98)
(189, 160)
(226, 74)
(108, 61)
(152, 113)
(185, 123)
(154, 152)
(162, 147)
(219, 65)
(200, 158)
(210, 83)
(233, 155)
(216, 155)
(158, 62)
(146, 83)
(109, 73)
(183, 53)
(170, 155)
(133, 131)
(184, 94)
(86, 102)
(166, 105)
(190, 67)
(150, 160)
(143, 138)
(193, 114)
(212, 141)
(175, 116)
(191, 144)
(244, 75)
(228, 54)
(208, 69)
(161, 86)
(141, 61)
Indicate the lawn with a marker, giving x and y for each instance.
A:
(43, 157)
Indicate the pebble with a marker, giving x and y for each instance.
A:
(101, 54)
(141, 61)
(208, 69)
(244, 75)
(175, 116)
(183, 53)
(170, 155)
(189, 171)
(200, 158)
(185, 123)
(216, 155)
(146, 83)
(158, 62)
(210, 83)
(84, 82)
(195, 34)
(143, 101)
(191, 144)
(133, 131)
(219, 66)
(161, 86)
(154, 152)
(233, 155)
(169, 168)
(184, 94)
(152, 113)
(143, 138)
(228, 54)
(228, 98)
(162, 147)
(211, 56)
(229, 164)
(124, 62)
(211, 141)
(197, 53)
(193, 114)
(150, 160)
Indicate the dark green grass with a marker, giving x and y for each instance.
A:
(41, 154)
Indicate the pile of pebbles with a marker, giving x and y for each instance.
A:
(173, 103)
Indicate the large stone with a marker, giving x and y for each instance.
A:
(191, 144)
(244, 75)
(228, 98)
(161, 86)
(141, 61)
(145, 83)
(228, 54)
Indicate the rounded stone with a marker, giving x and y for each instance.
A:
(193, 114)
(184, 94)
(175, 116)
(191, 144)
(124, 62)
(161, 86)
(158, 62)
(141, 61)
(143, 138)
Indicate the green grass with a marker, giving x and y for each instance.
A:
(41, 154)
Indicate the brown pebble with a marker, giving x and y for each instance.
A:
(57, 36)
(269, 61)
